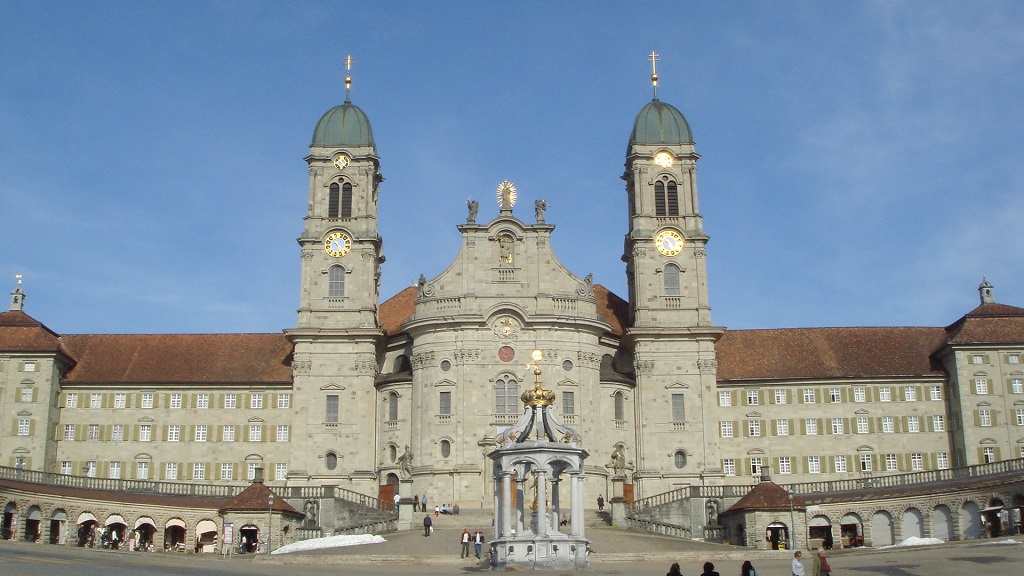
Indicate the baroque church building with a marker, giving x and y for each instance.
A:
(434, 374)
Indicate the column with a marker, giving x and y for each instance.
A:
(576, 504)
(542, 503)
(556, 506)
(505, 514)
(519, 504)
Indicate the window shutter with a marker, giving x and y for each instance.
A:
(164, 427)
(985, 358)
(977, 418)
(732, 395)
(848, 427)
(981, 455)
(746, 429)
(264, 432)
(771, 425)
(995, 418)
(821, 426)
(871, 425)
(32, 427)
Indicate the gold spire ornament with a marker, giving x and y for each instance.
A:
(654, 71)
(538, 396)
(349, 61)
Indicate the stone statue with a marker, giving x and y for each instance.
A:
(505, 249)
(312, 507)
(712, 512)
(539, 207)
(422, 284)
(617, 461)
(405, 464)
(473, 206)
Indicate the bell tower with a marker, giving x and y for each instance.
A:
(670, 334)
(338, 334)
(341, 250)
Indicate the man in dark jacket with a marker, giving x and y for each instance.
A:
(427, 523)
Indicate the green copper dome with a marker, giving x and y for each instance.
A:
(660, 123)
(344, 125)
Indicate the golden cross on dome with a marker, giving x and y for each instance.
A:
(654, 71)
(18, 278)
(348, 78)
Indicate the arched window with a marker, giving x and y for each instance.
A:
(506, 395)
(331, 460)
(666, 198)
(620, 406)
(333, 201)
(446, 448)
(392, 407)
(335, 282)
(346, 200)
(402, 364)
(671, 273)
(680, 459)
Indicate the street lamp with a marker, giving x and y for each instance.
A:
(792, 519)
(269, 519)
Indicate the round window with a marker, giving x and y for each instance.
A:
(446, 365)
(331, 460)
(567, 365)
(680, 459)
(446, 448)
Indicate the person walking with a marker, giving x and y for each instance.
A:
(600, 503)
(747, 569)
(416, 503)
(797, 565)
(466, 539)
(821, 567)
(478, 542)
(427, 525)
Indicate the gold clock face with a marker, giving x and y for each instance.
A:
(341, 161)
(337, 244)
(669, 242)
(663, 159)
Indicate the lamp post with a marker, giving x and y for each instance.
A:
(269, 519)
(792, 520)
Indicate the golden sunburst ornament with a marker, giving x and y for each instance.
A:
(506, 195)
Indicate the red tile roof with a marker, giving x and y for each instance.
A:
(989, 324)
(828, 353)
(179, 358)
(766, 496)
(19, 332)
(254, 498)
(612, 309)
(397, 309)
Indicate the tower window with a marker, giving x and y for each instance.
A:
(671, 280)
(336, 282)
(680, 459)
(620, 406)
(346, 200)
(446, 448)
(333, 201)
(666, 198)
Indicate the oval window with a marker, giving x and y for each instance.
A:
(446, 448)
(680, 459)
(445, 365)
(331, 460)
(393, 453)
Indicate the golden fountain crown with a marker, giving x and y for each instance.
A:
(538, 396)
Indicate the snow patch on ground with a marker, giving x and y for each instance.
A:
(330, 542)
(915, 541)
(1008, 541)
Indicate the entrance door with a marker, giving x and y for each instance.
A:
(386, 494)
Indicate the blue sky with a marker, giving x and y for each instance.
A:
(862, 162)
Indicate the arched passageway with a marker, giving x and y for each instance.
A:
(114, 532)
(913, 524)
(882, 529)
(206, 536)
(942, 523)
(8, 526)
(970, 521)
(819, 533)
(248, 537)
(144, 534)
(59, 527)
(88, 530)
(777, 535)
(995, 519)
(174, 535)
(33, 525)
(851, 531)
